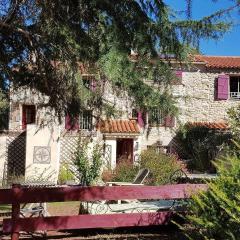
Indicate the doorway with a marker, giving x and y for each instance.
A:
(28, 115)
(124, 150)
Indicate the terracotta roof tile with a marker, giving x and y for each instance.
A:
(119, 126)
(211, 125)
(219, 61)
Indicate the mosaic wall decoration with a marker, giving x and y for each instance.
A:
(42, 155)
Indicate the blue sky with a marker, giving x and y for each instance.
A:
(230, 43)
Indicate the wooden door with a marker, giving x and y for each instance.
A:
(125, 150)
(28, 115)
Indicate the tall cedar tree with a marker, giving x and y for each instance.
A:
(43, 44)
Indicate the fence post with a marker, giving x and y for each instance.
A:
(16, 189)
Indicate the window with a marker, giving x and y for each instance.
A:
(155, 117)
(89, 82)
(85, 120)
(235, 87)
(134, 113)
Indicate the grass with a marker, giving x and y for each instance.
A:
(5, 208)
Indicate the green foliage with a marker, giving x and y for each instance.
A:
(4, 105)
(234, 121)
(215, 214)
(127, 75)
(53, 37)
(161, 166)
(201, 145)
(88, 165)
(125, 171)
(65, 174)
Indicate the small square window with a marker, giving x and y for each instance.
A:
(134, 114)
(234, 87)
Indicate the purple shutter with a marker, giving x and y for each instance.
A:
(169, 121)
(140, 119)
(93, 85)
(222, 87)
(179, 77)
(71, 124)
(179, 74)
(67, 122)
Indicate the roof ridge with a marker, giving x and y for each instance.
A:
(216, 56)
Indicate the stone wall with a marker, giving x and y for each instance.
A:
(200, 102)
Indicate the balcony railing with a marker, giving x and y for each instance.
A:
(235, 95)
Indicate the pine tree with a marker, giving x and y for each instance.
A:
(215, 214)
(43, 42)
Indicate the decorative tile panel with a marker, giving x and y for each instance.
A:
(42, 155)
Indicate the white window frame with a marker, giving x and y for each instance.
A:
(234, 95)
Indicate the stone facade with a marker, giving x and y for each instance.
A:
(195, 98)
(200, 93)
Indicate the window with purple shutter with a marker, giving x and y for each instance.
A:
(222, 87)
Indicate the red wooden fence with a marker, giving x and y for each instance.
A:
(18, 195)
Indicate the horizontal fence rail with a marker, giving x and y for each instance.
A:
(62, 194)
(18, 195)
(88, 221)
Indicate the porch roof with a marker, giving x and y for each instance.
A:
(211, 125)
(119, 126)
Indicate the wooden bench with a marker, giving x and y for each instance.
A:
(19, 195)
(134, 206)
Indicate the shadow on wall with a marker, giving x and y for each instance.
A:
(16, 154)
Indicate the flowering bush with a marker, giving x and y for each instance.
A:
(125, 171)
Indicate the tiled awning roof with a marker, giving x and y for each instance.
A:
(119, 126)
(219, 61)
(211, 125)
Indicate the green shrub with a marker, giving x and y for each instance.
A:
(201, 145)
(4, 110)
(215, 214)
(125, 171)
(88, 165)
(161, 166)
(65, 174)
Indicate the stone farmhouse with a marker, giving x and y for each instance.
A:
(204, 92)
